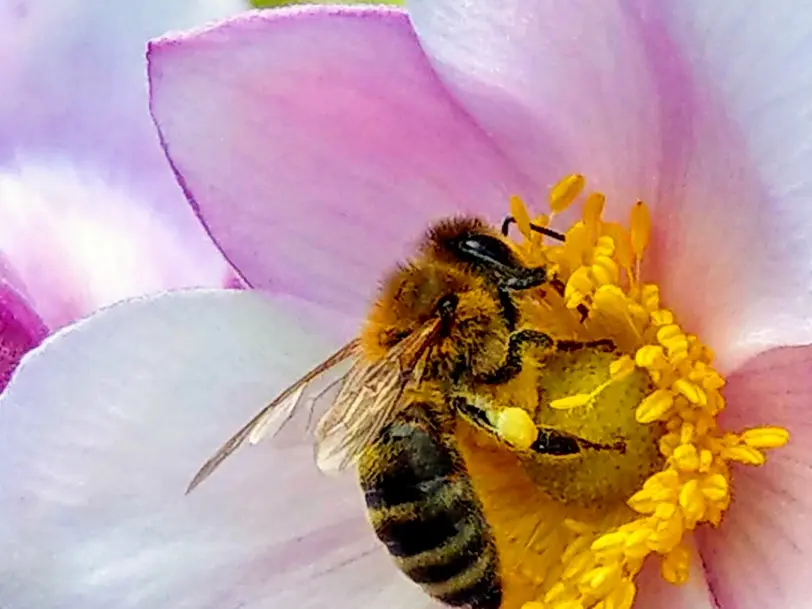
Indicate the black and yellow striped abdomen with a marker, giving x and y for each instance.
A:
(423, 508)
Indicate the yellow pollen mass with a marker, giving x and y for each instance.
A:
(639, 393)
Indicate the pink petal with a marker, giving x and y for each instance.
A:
(760, 556)
(562, 86)
(317, 143)
(735, 251)
(73, 241)
(21, 330)
(100, 431)
(74, 93)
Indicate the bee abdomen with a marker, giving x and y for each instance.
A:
(423, 508)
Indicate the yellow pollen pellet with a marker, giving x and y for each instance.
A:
(640, 228)
(565, 192)
(533, 605)
(765, 437)
(516, 427)
(654, 406)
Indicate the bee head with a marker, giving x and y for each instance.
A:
(471, 244)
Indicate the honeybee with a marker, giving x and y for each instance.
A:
(445, 325)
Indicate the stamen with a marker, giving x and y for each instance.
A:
(685, 457)
(565, 192)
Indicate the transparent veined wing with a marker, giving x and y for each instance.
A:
(273, 417)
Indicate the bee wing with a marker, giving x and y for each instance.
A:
(369, 398)
(273, 417)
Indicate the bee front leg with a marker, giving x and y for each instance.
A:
(512, 366)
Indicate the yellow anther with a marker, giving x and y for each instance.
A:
(579, 281)
(640, 228)
(692, 502)
(650, 296)
(686, 457)
(592, 563)
(744, 454)
(651, 356)
(662, 317)
(571, 401)
(676, 565)
(605, 270)
(519, 212)
(715, 487)
(516, 427)
(765, 437)
(668, 333)
(593, 208)
(621, 367)
(600, 580)
(705, 460)
(693, 393)
(611, 299)
(655, 406)
(565, 192)
(622, 597)
(622, 242)
(609, 541)
(605, 246)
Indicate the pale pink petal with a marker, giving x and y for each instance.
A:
(74, 92)
(21, 330)
(73, 241)
(317, 143)
(760, 557)
(736, 251)
(655, 593)
(562, 86)
(100, 431)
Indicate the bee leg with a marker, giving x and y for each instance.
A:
(512, 365)
(603, 344)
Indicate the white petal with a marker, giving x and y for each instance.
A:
(100, 431)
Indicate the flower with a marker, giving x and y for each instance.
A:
(308, 122)
(90, 209)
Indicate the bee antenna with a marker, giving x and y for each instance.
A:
(534, 227)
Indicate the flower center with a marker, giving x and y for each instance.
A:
(642, 396)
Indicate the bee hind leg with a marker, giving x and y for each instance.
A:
(512, 366)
